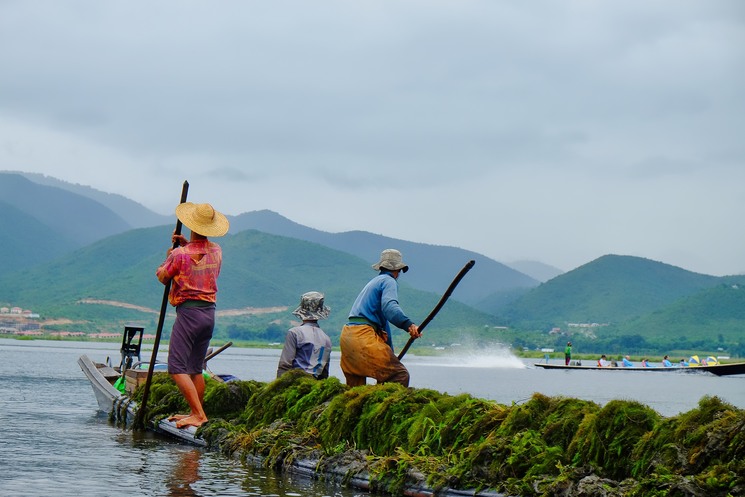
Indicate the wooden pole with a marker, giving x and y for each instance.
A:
(213, 354)
(139, 422)
(439, 305)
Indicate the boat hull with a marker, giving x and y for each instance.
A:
(110, 400)
(719, 369)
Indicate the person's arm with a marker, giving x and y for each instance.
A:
(168, 269)
(391, 308)
(325, 373)
(288, 354)
(326, 358)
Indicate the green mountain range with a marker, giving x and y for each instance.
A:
(72, 252)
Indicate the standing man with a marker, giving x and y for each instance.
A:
(192, 268)
(307, 346)
(568, 353)
(366, 344)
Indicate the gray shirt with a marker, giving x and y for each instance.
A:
(307, 347)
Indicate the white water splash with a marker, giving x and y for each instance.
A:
(488, 357)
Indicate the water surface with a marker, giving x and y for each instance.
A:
(55, 443)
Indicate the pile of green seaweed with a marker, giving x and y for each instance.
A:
(401, 438)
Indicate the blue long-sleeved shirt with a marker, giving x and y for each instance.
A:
(378, 303)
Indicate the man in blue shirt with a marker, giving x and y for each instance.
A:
(366, 344)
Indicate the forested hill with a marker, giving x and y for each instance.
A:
(260, 271)
(610, 289)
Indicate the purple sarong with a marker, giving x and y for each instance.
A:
(190, 339)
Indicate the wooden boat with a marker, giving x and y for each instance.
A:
(111, 401)
(119, 405)
(718, 369)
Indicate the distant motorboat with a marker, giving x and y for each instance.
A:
(734, 368)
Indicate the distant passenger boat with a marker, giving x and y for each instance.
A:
(717, 369)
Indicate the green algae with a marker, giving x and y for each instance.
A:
(398, 437)
(606, 439)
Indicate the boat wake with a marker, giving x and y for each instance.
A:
(492, 357)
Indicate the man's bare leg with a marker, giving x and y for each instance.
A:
(192, 388)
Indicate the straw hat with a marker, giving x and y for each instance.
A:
(391, 260)
(311, 307)
(202, 219)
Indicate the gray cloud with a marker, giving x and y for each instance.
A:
(592, 124)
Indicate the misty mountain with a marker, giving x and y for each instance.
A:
(536, 270)
(79, 218)
(134, 214)
(432, 267)
(27, 242)
(433, 271)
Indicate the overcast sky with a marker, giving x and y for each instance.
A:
(556, 131)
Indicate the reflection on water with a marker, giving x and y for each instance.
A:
(185, 474)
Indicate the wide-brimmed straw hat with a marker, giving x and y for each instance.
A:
(391, 260)
(311, 307)
(202, 219)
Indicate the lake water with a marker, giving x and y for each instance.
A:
(55, 443)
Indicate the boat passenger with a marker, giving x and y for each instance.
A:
(683, 363)
(568, 354)
(366, 342)
(307, 346)
(192, 269)
(666, 362)
(645, 363)
(603, 362)
(627, 362)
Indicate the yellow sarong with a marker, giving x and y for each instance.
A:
(365, 353)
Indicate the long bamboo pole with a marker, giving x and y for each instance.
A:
(139, 422)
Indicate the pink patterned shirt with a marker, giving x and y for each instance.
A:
(193, 270)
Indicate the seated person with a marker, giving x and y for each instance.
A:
(645, 363)
(666, 362)
(603, 362)
(627, 362)
(307, 346)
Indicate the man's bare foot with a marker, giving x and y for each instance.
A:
(176, 417)
(192, 420)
